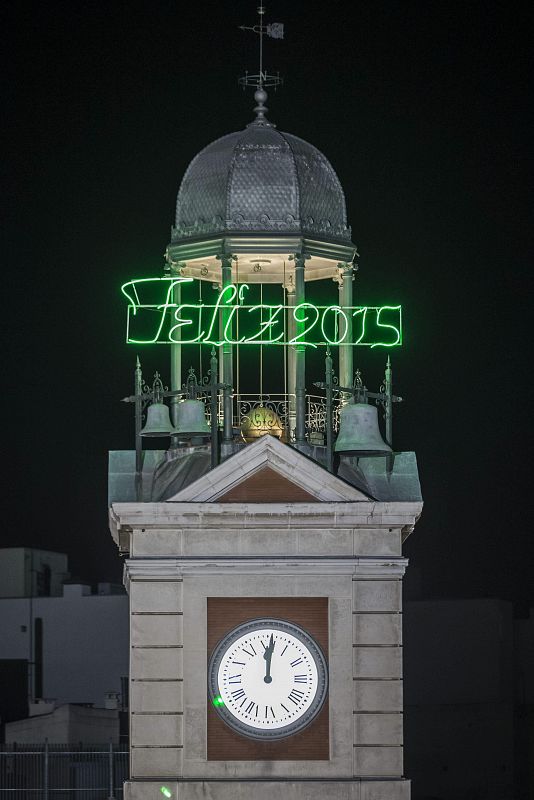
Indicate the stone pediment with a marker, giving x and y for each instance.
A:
(268, 471)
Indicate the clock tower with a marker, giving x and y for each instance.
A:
(264, 547)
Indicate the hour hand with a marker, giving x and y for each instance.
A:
(268, 654)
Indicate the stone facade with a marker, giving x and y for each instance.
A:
(183, 551)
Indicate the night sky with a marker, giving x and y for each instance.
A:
(422, 108)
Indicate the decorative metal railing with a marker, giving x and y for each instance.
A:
(249, 408)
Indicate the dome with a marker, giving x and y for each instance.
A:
(261, 180)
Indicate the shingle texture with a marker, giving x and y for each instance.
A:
(261, 180)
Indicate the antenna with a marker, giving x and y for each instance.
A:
(260, 80)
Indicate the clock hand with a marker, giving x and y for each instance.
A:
(268, 654)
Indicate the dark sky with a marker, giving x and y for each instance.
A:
(423, 110)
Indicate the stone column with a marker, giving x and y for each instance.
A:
(300, 355)
(345, 351)
(176, 366)
(227, 354)
(291, 360)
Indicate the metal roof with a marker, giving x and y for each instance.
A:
(261, 180)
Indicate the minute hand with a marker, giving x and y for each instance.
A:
(268, 654)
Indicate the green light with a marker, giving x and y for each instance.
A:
(302, 320)
(338, 311)
(218, 701)
(166, 792)
(198, 323)
(391, 327)
(135, 304)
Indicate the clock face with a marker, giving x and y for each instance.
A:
(268, 679)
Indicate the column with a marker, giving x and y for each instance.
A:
(300, 355)
(227, 355)
(176, 367)
(291, 360)
(345, 351)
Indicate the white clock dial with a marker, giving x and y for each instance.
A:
(268, 679)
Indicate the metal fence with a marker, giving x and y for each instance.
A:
(59, 772)
(245, 405)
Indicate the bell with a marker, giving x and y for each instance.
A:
(359, 432)
(191, 419)
(158, 421)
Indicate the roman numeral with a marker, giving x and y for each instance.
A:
(241, 663)
(247, 652)
(295, 662)
(284, 650)
(248, 709)
(285, 709)
(234, 679)
(301, 679)
(295, 696)
(238, 694)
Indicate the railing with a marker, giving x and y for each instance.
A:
(283, 406)
(54, 771)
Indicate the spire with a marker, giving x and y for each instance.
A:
(262, 79)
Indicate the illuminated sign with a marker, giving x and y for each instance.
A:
(164, 321)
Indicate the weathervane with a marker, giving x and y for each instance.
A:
(259, 80)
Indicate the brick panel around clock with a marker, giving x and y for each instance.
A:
(224, 614)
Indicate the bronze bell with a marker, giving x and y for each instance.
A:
(158, 421)
(359, 433)
(191, 419)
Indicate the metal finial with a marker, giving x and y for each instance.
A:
(191, 384)
(157, 388)
(260, 96)
(262, 79)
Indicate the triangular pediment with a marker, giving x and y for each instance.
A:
(268, 471)
(266, 482)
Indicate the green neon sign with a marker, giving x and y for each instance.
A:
(171, 322)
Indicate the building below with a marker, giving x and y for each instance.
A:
(29, 572)
(60, 641)
(68, 724)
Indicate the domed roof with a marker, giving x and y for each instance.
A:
(261, 180)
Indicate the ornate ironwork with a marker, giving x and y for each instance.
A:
(191, 385)
(246, 406)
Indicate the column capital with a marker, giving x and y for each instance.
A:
(345, 271)
(289, 284)
(299, 258)
(225, 258)
(176, 267)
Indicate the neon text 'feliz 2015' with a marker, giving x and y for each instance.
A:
(230, 320)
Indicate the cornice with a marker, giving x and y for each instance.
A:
(157, 569)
